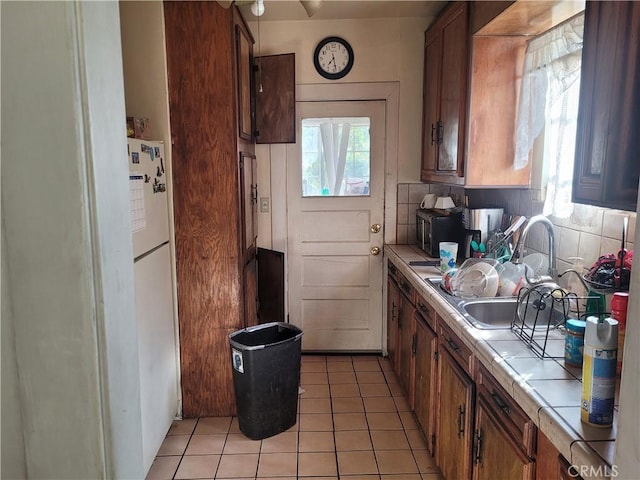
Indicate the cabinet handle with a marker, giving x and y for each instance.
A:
(452, 345)
(414, 344)
(392, 268)
(501, 404)
(393, 311)
(405, 286)
(460, 421)
(254, 194)
(423, 308)
(433, 134)
(440, 134)
(477, 449)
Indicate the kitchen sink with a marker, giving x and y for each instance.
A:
(500, 312)
(488, 313)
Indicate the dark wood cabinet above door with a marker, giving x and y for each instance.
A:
(607, 163)
(276, 103)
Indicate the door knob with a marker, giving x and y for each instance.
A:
(375, 251)
(375, 228)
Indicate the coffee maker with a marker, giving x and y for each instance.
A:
(478, 224)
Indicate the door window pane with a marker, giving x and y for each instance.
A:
(335, 156)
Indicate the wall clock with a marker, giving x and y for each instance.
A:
(333, 58)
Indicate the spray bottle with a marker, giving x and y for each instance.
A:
(599, 371)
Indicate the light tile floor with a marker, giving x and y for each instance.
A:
(353, 423)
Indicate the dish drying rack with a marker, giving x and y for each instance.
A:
(541, 309)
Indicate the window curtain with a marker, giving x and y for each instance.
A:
(548, 100)
(335, 140)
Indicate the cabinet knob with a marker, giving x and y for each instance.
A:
(375, 228)
(375, 251)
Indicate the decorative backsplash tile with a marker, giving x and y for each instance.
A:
(588, 233)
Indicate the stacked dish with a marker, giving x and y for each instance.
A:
(477, 277)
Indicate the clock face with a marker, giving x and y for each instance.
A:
(333, 58)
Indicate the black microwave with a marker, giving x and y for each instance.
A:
(433, 227)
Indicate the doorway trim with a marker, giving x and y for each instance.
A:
(324, 92)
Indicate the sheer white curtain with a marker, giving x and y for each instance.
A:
(335, 140)
(549, 100)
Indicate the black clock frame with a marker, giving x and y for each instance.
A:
(316, 63)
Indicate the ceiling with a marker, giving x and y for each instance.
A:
(344, 9)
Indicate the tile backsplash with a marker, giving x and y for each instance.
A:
(588, 233)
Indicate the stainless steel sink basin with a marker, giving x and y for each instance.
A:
(500, 312)
(491, 312)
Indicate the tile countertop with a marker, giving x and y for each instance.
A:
(547, 391)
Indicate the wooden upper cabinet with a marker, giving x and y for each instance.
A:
(607, 165)
(244, 74)
(496, 66)
(276, 103)
(445, 96)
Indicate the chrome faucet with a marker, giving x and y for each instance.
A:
(517, 252)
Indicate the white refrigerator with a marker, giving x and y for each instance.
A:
(154, 292)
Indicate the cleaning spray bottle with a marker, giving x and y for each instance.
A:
(599, 371)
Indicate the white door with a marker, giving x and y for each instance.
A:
(335, 203)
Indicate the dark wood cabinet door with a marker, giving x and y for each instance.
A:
(425, 385)
(432, 61)
(393, 311)
(250, 282)
(606, 170)
(453, 91)
(494, 453)
(407, 326)
(244, 71)
(446, 59)
(276, 103)
(249, 199)
(455, 418)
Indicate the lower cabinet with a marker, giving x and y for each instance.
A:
(495, 455)
(550, 464)
(425, 373)
(455, 418)
(473, 428)
(405, 364)
(393, 310)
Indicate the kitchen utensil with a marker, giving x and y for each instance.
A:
(428, 201)
(474, 246)
(538, 262)
(511, 278)
(448, 255)
(475, 278)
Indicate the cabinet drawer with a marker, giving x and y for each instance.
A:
(517, 424)
(406, 288)
(393, 271)
(454, 345)
(426, 312)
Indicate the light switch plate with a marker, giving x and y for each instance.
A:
(264, 204)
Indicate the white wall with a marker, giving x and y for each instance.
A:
(385, 50)
(13, 463)
(68, 239)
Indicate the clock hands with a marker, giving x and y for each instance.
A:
(333, 59)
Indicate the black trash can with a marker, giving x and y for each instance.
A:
(266, 374)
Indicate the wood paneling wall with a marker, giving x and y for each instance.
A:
(200, 61)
